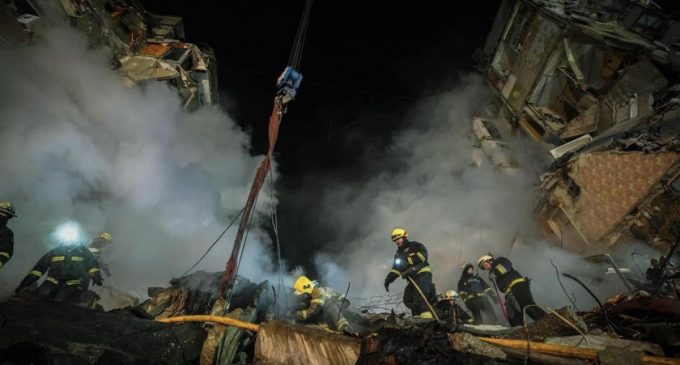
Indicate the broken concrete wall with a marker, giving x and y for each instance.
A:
(568, 70)
(143, 46)
(593, 193)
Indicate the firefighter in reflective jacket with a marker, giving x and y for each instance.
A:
(6, 235)
(65, 266)
(95, 247)
(322, 305)
(410, 261)
(516, 288)
(476, 294)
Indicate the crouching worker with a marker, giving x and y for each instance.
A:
(320, 305)
(66, 267)
(448, 309)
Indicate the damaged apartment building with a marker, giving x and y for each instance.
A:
(597, 85)
(144, 47)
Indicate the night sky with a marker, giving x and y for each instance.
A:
(364, 65)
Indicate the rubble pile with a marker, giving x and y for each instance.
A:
(37, 332)
(642, 327)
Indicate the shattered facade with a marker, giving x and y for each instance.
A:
(597, 84)
(144, 47)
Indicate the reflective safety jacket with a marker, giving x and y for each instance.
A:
(324, 307)
(66, 265)
(504, 274)
(97, 253)
(412, 257)
(6, 245)
(472, 286)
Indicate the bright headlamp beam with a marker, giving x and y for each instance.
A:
(68, 233)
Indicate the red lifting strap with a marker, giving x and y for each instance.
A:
(232, 263)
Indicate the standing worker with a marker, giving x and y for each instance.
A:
(410, 263)
(475, 292)
(90, 298)
(7, 212)
(96, 246)
(516, 288)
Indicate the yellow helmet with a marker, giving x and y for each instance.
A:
(398, 233)
(106, 236)
(7, 209)
(303, 285)
(483, 259)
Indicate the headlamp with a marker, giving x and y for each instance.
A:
(69, 233)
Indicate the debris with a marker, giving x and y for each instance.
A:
(665, 334)
(543, 358)
(551, 325)
(282, 343)
(232, 339)
(602, 342)
(37, 330)
(618, 356)
(569, 351)
(641, 306)
(469, 344)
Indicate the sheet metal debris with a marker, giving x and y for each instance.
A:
(143, 47)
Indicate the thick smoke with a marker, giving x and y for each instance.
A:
(426, 183)
(77, 144)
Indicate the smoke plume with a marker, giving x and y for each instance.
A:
(426, 183)
(79, 145)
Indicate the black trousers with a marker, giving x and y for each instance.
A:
(481, 309)
(517, 300)
(60, 292)
(412, 298)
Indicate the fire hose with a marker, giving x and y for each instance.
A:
(434, 313)
(216, 319)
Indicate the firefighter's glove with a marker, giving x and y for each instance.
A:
(302, 302)
(28, 281)
(392, 276)
(408, 272)
(97, 279)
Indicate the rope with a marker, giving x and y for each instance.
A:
(243, 249)
(300, 37)
(245, 239)
(214, 243)
(275, 226)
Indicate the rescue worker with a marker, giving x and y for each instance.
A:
(322, 305)
(410, 263)
(65, 266)
(475, 292)
(516, 288)
(7, 212)
(95, 247)
(448, 310)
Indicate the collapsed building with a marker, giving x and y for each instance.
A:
(144, 47)
(596, 85)
(614, 143)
